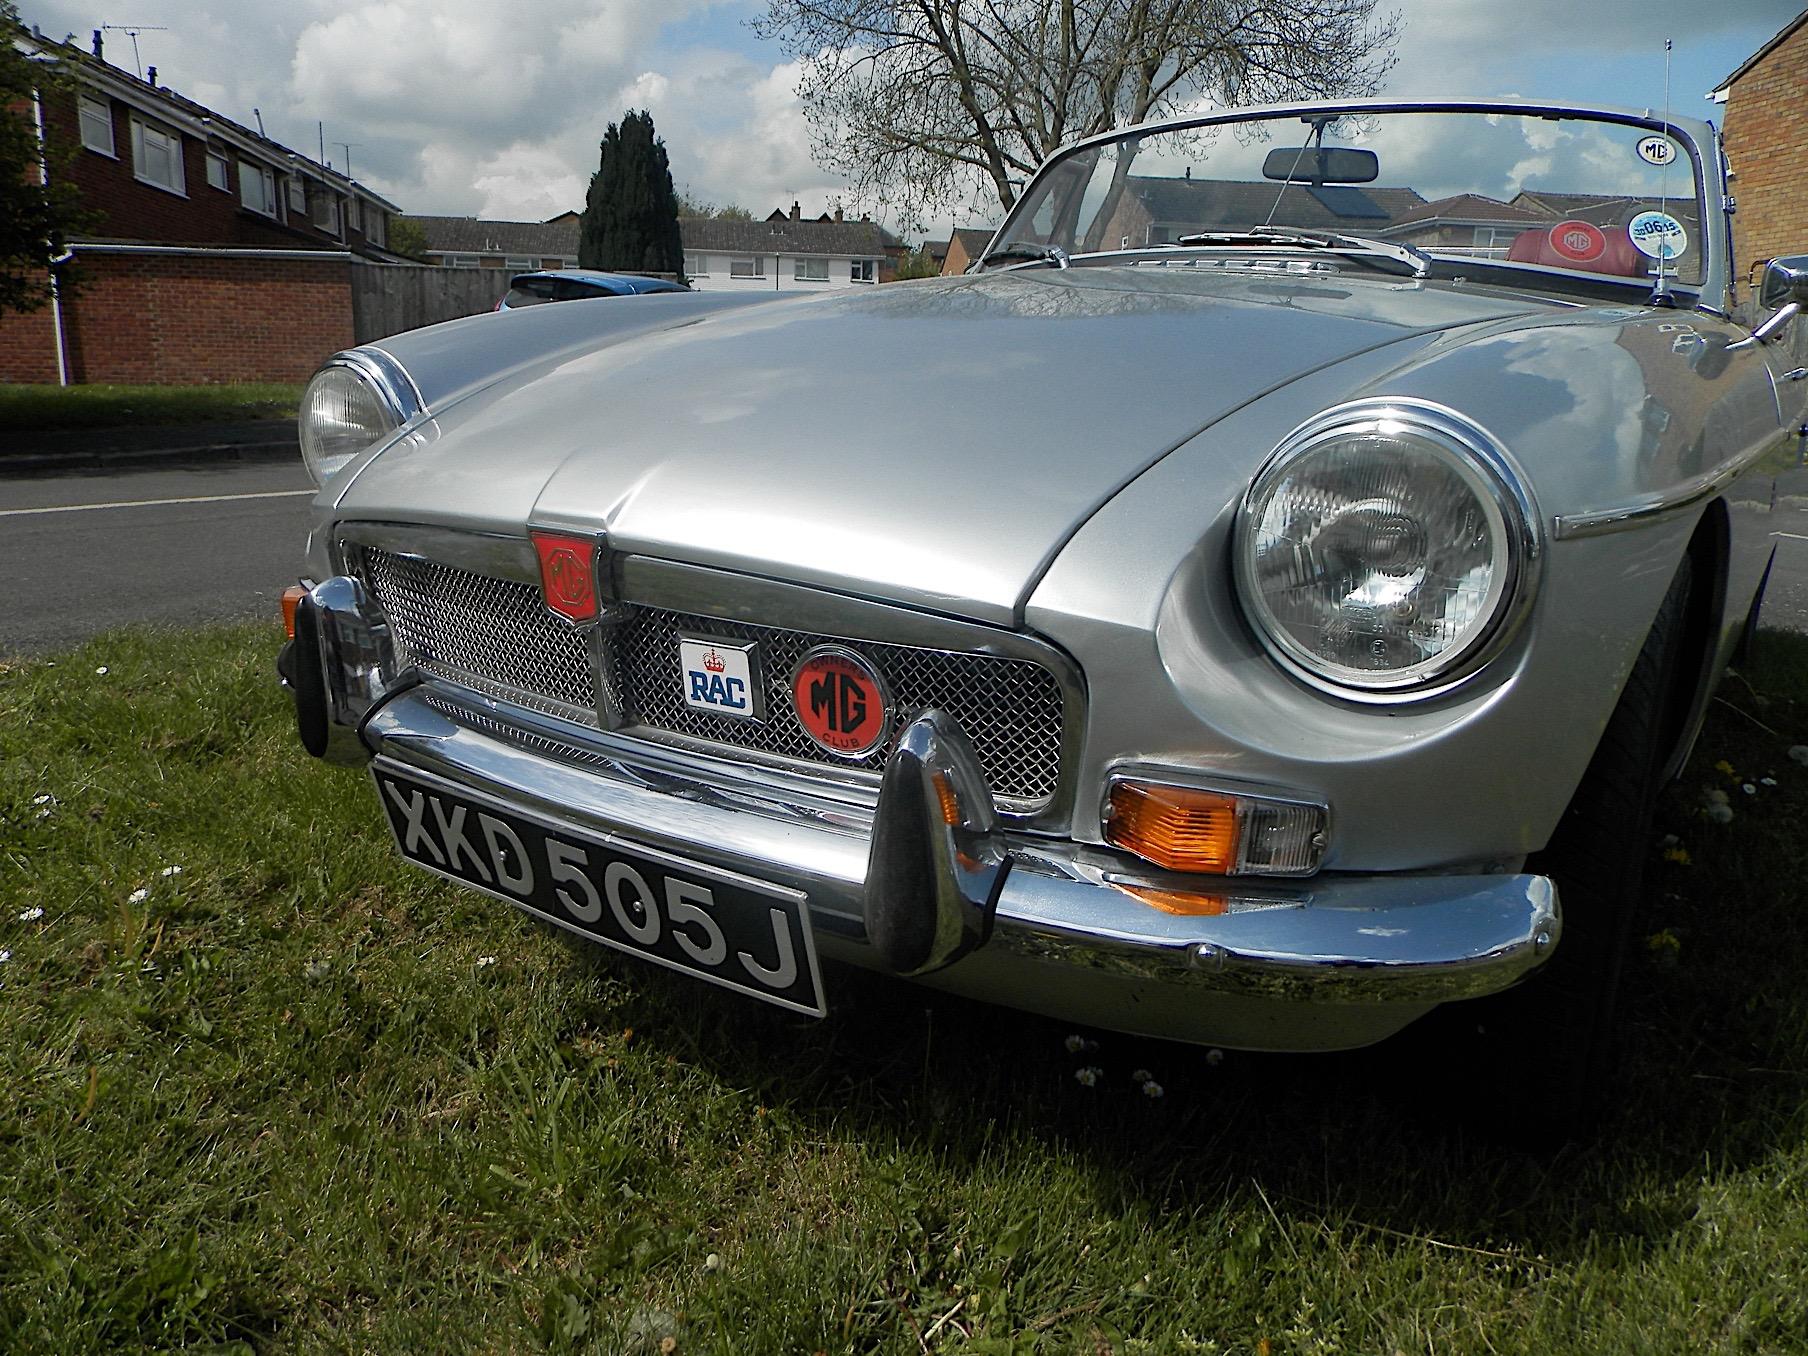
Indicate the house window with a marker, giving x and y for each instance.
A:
(257, 188)
(696, 265)
(216, 172)
(323, 210)
(351, 214)
(298, 195)
(864, 270)
(811, 270)
(157, 156)
(373, 223)
(747, 268)
(1493, 237)
(97, 124)
(459, 260)
(515, 263)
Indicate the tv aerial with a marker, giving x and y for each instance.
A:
(132, 31)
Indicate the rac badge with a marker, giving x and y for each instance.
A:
(720, 677)
(840, 701)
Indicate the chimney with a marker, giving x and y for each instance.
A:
(97, 55)
(150, 76)
(797, 211)
(838, 212)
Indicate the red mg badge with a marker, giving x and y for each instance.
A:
(840, 701)
(1578, 242)
(568, 574)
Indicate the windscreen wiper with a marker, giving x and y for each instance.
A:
(1027, 251)
(1417, 263)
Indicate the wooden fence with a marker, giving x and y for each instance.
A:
(390, 298)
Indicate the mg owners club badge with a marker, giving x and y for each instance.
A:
(840, 701)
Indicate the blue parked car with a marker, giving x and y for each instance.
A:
(579, 284)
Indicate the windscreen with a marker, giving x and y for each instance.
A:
(1572, 192)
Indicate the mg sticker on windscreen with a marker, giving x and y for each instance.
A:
(720, 677)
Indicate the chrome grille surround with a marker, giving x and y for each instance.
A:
(1011, 709)
(466, 608)
(494, 635)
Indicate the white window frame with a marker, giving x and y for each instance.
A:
(521, 263)
(460, 260)
(100, 112)
(863, 270)
(334, 225)
(141, 130)
(744, 267)
(353, 218)
(216, 161)
(809, 269)
(298, 195)
(1494, 237)
(263, 179)
(696, 265)
(374, 223)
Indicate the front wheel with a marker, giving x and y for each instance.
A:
(1547, 1046)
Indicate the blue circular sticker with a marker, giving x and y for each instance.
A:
(1658, 235)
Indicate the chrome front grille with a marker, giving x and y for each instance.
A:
(1009, 708)
(493, 635)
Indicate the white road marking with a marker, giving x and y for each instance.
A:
(155, 503)
(1793, 536)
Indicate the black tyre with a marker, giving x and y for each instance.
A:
(1543, 1067)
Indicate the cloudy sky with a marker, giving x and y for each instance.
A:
(495, 110)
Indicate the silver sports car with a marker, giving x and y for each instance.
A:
(1254, 605)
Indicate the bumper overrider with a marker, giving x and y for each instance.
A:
(928, 885)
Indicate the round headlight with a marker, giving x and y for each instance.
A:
(343, 412)
(1386, 549)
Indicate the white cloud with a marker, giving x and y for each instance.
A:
(477, 107)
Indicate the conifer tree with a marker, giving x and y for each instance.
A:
(630, 217)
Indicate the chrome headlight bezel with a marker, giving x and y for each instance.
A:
(1500, 487)
(391, 391)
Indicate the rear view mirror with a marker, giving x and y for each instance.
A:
(1321, 165)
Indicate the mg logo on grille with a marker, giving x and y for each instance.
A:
(841, 701)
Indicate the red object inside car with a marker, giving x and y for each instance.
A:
(1581, 246)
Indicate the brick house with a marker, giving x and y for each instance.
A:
(1466, 221)
(784, 252)
(210, 251)
(518, 246)
(1766, 127)
(963, 247)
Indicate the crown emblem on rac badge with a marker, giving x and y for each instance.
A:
(713, 662)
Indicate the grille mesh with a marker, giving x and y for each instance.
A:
(495, 635)
(1010, 709)
(491, 634)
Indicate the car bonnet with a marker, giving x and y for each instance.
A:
(931, 444)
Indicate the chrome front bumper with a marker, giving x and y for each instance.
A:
(928, 885)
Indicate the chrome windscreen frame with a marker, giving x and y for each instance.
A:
(1511, 496)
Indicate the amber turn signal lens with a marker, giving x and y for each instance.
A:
(1176, 827)
(948, 798)
(291, 599)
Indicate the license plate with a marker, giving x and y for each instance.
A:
(744, 934)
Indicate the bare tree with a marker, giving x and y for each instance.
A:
(933, 103)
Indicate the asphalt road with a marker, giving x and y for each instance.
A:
(81, 553)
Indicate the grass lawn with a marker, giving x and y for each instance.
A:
(267, 1089)
(41, 407)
